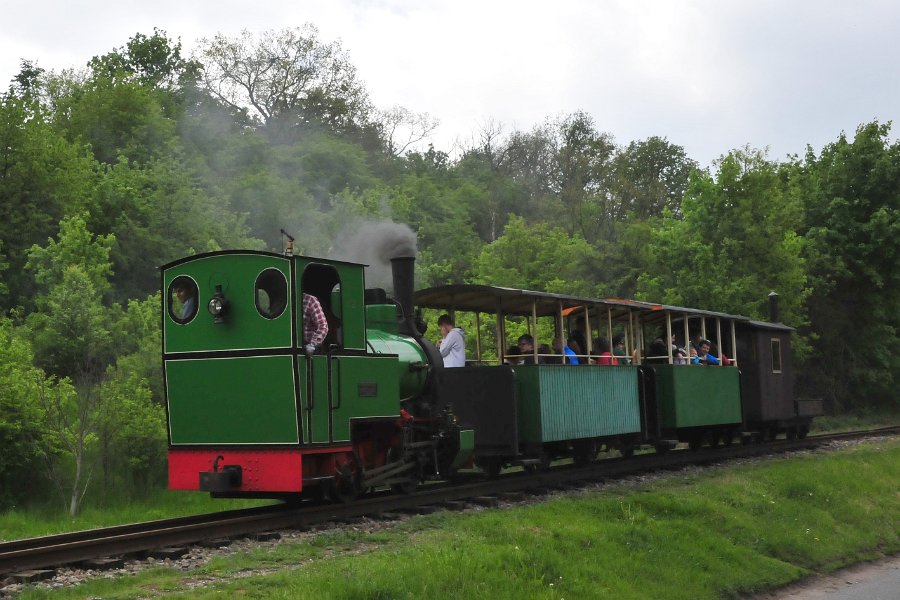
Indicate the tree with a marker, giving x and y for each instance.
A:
(43, 177)
(73, 342)
(21, 436)
(132, 433)
(116, 117)
(539, 257)
(851, 195)
(401, 128)
(286, 78)
(584, 177)
(650, 176)
(152, 61)
(736, 242)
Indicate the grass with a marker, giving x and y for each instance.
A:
(853, 421)
(34, 521)
(715, 533)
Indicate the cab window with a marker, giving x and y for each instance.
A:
(182, 299)
(271, 293)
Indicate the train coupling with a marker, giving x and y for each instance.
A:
(225, 479)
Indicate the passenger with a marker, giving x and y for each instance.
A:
(315, 325)
(547, 355)
(619, 349)
(577, 340)
(705, 357)
(567, 355)
(512, 356)
(679, 355)
(605, 357)
(577, 347)
(526, 349)
(695, 360)
(658, 352)
(452, 344)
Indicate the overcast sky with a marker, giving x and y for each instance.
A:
(708, 75)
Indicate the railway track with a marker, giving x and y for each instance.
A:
(48, 552)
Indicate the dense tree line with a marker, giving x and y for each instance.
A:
(146, 155)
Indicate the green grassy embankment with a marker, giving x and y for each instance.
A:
(19, 523)
(716, 533)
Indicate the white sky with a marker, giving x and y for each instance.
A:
(708, 75)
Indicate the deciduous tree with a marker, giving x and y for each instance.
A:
(287, 78)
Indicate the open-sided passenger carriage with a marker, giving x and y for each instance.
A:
(530, 414)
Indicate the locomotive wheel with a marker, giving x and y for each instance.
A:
(802, 432)
(344, 488)
(627, 451)
(696, 442)
(542, 465)
(405, 488)
(792, 433)
(584, 453)
(491, 465)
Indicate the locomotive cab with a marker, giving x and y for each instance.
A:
(251, 412)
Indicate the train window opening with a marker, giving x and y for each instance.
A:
(776, 355)
(271, 293)
(323, 282)
(182, 299)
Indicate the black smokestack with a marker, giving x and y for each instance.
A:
(404, 273)
(773, 308)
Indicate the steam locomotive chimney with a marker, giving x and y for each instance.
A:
(403, 270)
(773, 307)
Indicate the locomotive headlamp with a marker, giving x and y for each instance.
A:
(218, 306)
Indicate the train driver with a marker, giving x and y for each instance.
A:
(315, 325)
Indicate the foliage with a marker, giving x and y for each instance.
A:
(43, 177)
(20, 416)
(736, 242)
(153, 61)
(651, 176)
(540, 258)
(287, 78)
(73, 341)
(133, 434)
(852, 204)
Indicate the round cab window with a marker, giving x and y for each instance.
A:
(183, 299)
(271, 293)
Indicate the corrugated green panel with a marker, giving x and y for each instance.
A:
(559, 402)
(244, 328)
(697, 396)
(232, 401)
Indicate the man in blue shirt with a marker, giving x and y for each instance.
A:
(561, 347)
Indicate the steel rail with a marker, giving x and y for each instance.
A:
(61, 549)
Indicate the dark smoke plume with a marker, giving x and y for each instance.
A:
(375, 244)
